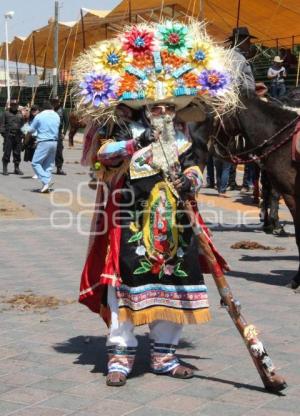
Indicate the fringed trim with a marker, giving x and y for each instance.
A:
(177, 316)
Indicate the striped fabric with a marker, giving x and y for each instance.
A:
(163, 358)
(120, 359)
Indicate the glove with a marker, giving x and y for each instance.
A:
(147, 137)
(183, 184)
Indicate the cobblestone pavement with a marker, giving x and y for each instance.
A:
(52, 362)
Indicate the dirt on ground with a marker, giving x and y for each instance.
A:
(31, 302)
(253, 245)
(11, 209)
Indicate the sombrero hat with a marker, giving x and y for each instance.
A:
(240, 32)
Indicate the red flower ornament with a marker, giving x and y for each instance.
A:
(138, 41)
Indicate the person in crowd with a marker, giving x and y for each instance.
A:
(277, 74)
(210, 172)
(241, 42)
(46, 125)
(59, 159)
(31, 145)
(232, 184)
(248, 178)
(10, 127)
(289, 60)
(222, 171)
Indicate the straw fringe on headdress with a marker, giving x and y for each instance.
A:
(156, 63)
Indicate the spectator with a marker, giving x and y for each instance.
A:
(59, 159)
(46, 124)
(210, 172)
(277, 74)
(232, 178)
(222, 171)
(10, 128)
(248, 178)
(31, 145)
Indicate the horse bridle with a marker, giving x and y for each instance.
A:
(250, 153)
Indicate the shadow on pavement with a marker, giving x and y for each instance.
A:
(267, 258)
(278, 277)
(238, 385)
(92, 351)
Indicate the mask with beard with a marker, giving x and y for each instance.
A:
(165, 154)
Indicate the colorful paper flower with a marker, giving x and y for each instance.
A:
(143, 60)
(200, 54)
(138, 41)
(172, 59)
(174, 37)
(190, 80)
(128, 83)
(213, 81)
(98, 89)
(111, 57)
(160, 88)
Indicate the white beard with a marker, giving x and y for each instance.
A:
(165, 125)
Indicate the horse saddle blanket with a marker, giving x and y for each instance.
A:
(296, 144)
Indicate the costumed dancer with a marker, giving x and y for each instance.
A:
(143, 265)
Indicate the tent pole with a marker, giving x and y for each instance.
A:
(201, 9)
(65, 58)
(17, 70)
(34, 52)
(55, 50)
(82, 28)
(130, 11)
(238, 14)
(298, 70)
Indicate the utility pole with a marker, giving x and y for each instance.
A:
(7, 16)
(55, 50)
(238, 14)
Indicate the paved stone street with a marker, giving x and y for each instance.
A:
(52, 361)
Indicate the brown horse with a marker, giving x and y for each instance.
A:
(267, 130)
(75, 123)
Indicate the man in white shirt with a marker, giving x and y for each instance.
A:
(277, 74)
(46, 125)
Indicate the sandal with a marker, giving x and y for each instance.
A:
(115, 379)
(181, 371)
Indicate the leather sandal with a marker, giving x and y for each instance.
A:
(115, 379)
(181, 371)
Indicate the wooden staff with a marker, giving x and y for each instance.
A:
(272, 381)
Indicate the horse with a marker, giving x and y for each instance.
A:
(75, 123)
(267, 130)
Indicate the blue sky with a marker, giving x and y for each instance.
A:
(32, 14)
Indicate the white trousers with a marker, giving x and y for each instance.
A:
(122, 333)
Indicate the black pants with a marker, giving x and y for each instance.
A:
(59, 159)
(12, 144)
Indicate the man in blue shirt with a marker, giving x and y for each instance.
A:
(46, 124)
